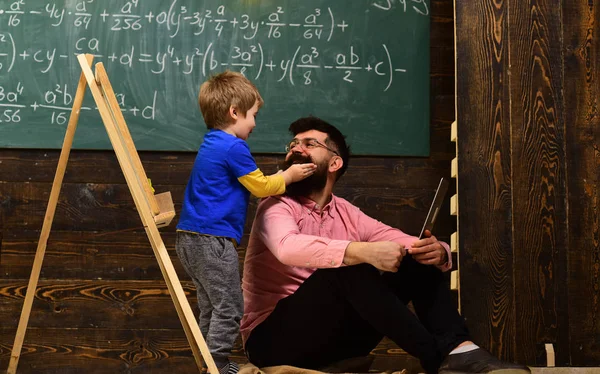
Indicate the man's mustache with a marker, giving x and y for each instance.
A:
(297, 158)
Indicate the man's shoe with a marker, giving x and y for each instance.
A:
(479, 361)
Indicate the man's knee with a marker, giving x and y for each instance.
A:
(361, 270)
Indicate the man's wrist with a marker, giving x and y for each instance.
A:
(445, 258)
(354, 254)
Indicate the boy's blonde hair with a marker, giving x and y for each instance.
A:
(222, 91)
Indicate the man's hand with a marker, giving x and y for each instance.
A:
(385, 256)
(428, 251)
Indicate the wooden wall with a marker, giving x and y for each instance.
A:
(529, 168)
(102, 305)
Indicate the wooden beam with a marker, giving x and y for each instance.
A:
(182, 305)
(48, 218)
(125, 136)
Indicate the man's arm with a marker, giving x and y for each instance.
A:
(385, 256)
(428, 251)
(276, 226)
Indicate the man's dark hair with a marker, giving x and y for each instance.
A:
(335, 139)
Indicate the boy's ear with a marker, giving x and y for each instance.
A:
(233, 112)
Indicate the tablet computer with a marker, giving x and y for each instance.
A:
(435, 207)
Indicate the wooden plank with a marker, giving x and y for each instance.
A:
(441, 15)
(454, 242)
(109, 305)
(454, 132)
(581, 35)
(550, 356)
(82, 206)
(539, 220)
(109, 207)
(72, 255)
(454, 168)
(106, 351)
(166, 209)
(454, 280)
(485, 241)
(167, 169)
(442, 83)
(454, 205)
(442, 63)
(149, 351)
(95, 303)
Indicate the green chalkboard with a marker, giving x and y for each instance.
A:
(362, 65)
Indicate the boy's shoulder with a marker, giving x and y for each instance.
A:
(221, 139)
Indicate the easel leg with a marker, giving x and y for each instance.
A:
(47, 225)
(192, 330)
(184, 311)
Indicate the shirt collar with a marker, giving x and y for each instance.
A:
(311, 206)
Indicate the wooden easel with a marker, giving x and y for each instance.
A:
(155, 211)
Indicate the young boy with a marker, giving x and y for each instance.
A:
(215, 203)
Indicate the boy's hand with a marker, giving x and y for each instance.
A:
(297, 172)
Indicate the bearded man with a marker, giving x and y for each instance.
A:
(324, 282)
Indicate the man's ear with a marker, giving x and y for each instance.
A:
(335, 164)
(233, 112)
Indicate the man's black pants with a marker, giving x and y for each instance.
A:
(345, 312)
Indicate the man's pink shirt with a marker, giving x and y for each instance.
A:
(293, 237)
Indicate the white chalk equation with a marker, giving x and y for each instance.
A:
(314, 26)
(251, 61)
(317, 23)
(356, 56)
(57, 102)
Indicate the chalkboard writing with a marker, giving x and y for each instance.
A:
(362, 65)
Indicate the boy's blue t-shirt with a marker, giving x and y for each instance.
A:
(215, 202)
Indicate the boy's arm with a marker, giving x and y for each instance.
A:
(244, 168)
(261, 185)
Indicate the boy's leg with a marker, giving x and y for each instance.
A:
(337, 314)
(217, 267)
(186, 246)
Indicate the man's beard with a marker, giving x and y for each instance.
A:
(314, 183)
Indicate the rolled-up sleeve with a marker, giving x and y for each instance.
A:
(276, 226)
(372, 230)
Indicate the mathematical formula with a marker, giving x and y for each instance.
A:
(59, 101)
(223, 38)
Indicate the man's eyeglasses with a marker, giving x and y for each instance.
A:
(308, 144)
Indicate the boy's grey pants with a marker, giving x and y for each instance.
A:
(212, 263)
